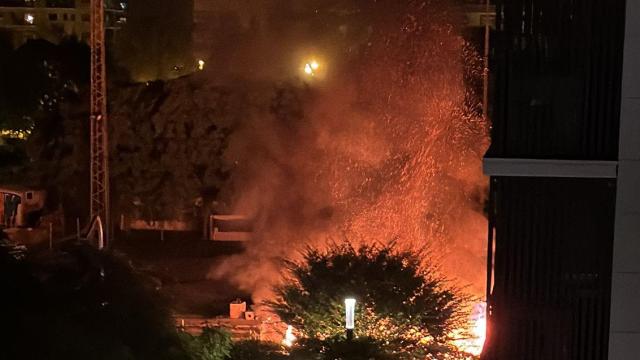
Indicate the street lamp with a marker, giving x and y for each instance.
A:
(350, 312)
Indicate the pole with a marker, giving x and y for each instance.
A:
(485, 70)
(50, 236)
(78, 228)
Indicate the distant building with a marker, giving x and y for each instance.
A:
(53, 20)
(564, 209)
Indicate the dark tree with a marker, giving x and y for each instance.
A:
(81, 304)
(212, 344)
(168, 140)
(38, 78)
(400, 302)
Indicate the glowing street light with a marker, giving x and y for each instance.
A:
(200, 64)
(29, 18)
(350, 314)
(311, 67)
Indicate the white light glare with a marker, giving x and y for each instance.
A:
(350, 306)
(289, 338)
(311, 67)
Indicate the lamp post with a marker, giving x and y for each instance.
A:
(350, 311)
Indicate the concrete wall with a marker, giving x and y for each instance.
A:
(625, 302)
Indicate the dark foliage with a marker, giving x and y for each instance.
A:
(81, 304)
(256, 350)
(167, 145)
(212, 344)
(339, 348)
(38, 78)
(399, 301)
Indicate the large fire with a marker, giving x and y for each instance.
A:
(389, 149)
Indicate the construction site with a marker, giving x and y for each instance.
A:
(209, 159)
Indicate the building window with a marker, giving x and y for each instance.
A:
(85, 17)
(29, 18)
(29, 195)
(65, 17)
(54, 17)
(73, 17)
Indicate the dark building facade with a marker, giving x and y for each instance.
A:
(55, 20)
(564, 239)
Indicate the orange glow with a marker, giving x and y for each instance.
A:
(311, 67)
(472, 340)
(390, 149)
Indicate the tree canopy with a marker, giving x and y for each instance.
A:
(400, 302)
(80, 303)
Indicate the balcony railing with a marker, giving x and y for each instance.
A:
(556, 70)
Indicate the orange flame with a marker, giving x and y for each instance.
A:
(472, 340)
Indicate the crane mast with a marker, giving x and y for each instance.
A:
(99, 153)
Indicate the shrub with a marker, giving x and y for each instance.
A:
(401, 303)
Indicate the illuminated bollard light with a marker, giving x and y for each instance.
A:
(350, 312)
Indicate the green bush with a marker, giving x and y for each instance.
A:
(400, 302)
(212, 344)
(339, 348)
(256, 350)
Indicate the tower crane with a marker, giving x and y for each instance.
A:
(99, 206)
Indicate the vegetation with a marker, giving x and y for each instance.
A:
(43, 98)
(338, 348)
(311, 349)
(168, 141)
(38, 79)
(212, 344)
(257, 350)
(401, 303)
(80, 304)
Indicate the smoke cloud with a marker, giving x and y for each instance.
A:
(387, 147)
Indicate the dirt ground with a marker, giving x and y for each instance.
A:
(179, 265)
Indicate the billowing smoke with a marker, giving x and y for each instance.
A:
(386, 148)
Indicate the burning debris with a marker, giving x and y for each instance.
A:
(388, 149)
